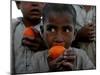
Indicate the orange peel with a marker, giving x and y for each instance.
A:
(28, 31)
(56, 51)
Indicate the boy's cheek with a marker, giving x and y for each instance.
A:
(68, 41)
(48, 39)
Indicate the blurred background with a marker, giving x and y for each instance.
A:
(15, 11)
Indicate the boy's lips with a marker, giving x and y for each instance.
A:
(58, 44)
(35, 12)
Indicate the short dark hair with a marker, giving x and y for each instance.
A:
(58, 8)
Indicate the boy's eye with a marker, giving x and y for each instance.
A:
(51, 29)
(67, 29)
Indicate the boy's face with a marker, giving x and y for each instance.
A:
(59, 29)
(31, 10)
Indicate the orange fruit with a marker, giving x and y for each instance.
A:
(28, 31)
(56, 51)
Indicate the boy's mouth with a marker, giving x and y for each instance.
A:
(35, 12)
(58, 44)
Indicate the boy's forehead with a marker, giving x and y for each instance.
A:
(60, 17)
(64, 13)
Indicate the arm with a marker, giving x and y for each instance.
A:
(86, 33)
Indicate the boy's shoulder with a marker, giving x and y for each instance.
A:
(40, 54)
(15, 22)
(79, 52)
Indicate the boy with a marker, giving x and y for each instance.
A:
(86, 30)
(23, 47)
(58, 29)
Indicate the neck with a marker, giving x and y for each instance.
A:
(33, 22)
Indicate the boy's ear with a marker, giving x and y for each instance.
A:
(41, 28)
(18, 4)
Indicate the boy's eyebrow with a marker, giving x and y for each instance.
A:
(68, 25)
(51, 26)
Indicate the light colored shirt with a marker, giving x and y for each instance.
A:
(40, 63)
(22, 54)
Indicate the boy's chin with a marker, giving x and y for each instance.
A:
(35, 20)
(36, 17)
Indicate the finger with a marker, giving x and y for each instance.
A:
(26, 43)
(92, 33)
(67, 66)
(30, 44)
(59, 65)
(59, 59)
(90, 24)
(33, 40)
(28, 38)
(92, 38)
(70, 58)
(94, 25)
(91, 28)
(38, 39)
(69, 52)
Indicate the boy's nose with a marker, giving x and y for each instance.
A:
(35, 4)
(59, 38)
